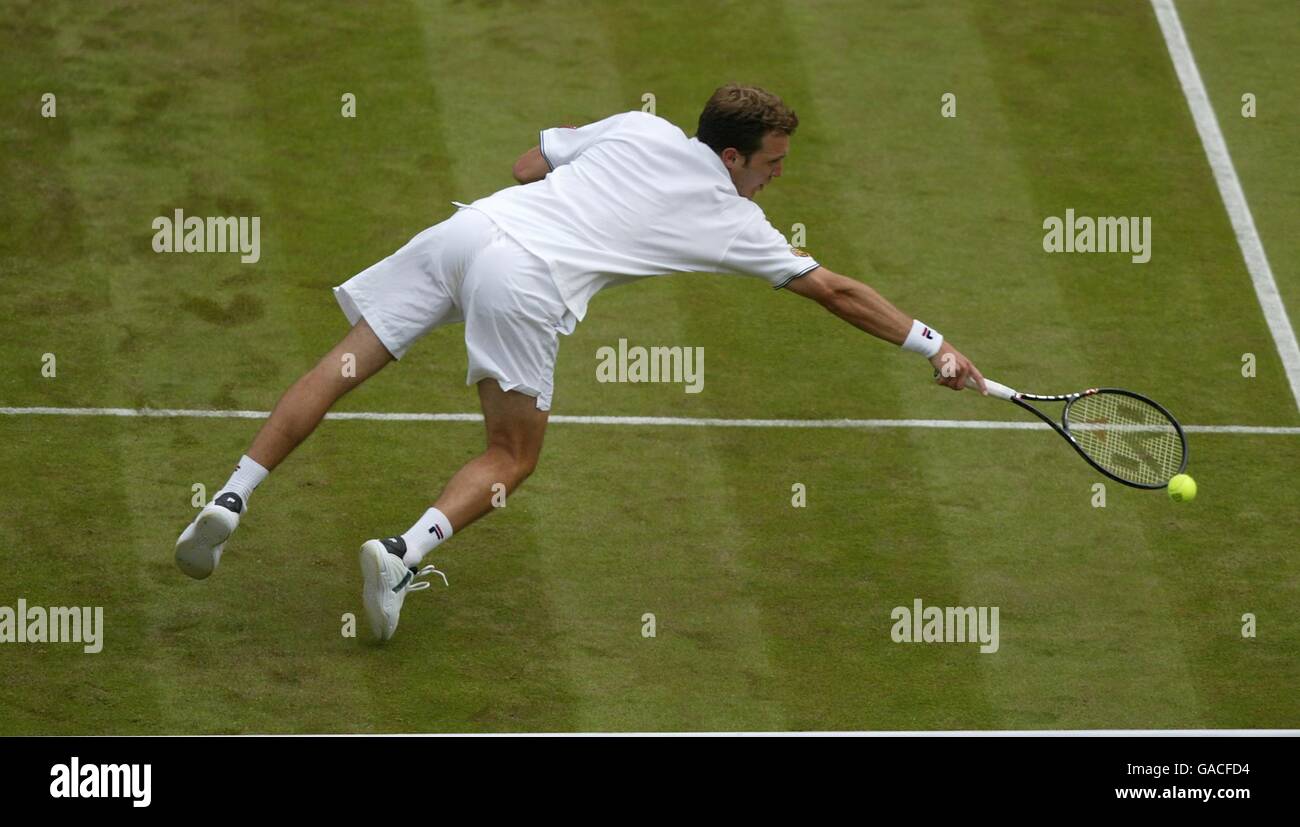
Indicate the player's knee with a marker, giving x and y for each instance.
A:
(525, 464)
(522, 458)
(522, 463)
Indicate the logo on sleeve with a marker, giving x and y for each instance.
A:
(800, 253)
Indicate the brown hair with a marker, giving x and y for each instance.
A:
(739, 116)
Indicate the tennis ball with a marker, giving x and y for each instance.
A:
(1182, 489)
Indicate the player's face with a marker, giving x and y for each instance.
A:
(751, 174)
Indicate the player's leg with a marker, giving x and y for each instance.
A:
(391, 305)
(358, 356)
(390, 567)
(515, 428)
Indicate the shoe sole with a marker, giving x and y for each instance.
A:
(197, 557)
(372, 571)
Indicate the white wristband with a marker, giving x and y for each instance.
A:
(923, 339)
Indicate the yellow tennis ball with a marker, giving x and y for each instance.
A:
(1182, 489)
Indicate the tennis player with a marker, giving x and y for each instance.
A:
(625, 198)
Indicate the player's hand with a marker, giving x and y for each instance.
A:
(954, 369)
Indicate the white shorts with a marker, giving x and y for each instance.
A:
(467, 269)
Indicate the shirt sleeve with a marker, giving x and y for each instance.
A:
(562, 144)
(760, 250)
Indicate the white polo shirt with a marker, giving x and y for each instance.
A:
(631, 196)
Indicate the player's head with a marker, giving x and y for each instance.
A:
(750, 129)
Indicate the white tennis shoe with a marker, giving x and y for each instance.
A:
(198, 549)
(387, 582)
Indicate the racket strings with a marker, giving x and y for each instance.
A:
(1128, 437)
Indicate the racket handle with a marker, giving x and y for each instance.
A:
(997, 389)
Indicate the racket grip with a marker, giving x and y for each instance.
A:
(997, 389)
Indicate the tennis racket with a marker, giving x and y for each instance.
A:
(1124, 435)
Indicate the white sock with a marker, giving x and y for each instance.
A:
(248, 475)
(429, 532)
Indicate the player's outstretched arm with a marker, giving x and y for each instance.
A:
(867, 310)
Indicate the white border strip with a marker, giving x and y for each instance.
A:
(678, 421)
(1234, 199)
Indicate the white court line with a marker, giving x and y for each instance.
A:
(679, 421)
(1234, 199)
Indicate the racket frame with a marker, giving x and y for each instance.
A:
(1063, 428)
